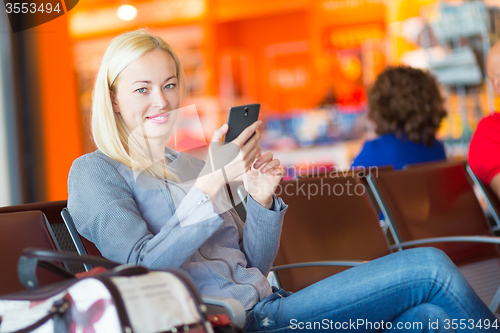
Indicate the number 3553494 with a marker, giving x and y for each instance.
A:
(26, 7)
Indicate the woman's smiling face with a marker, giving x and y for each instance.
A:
(146, 94)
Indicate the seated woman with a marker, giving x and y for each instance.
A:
(142, 203)
(407, 108)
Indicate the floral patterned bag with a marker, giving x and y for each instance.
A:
(125, 299)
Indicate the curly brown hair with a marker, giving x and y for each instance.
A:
(407, 102)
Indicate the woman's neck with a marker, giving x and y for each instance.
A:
(154, 149)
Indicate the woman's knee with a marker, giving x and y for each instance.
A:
(434, 254)
(428, 261)
(431, 256)
(435, 264)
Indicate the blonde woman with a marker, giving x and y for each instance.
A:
(143, 203)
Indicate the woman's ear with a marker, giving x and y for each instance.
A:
(114, 105)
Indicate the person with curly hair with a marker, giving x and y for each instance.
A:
(406, 106)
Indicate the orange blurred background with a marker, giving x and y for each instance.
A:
(287, 55)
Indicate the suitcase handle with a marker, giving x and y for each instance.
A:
(31, 258)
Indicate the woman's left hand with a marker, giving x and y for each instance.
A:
(262, 179)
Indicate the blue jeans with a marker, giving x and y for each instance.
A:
(418, 290)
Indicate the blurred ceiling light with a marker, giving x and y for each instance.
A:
(126, 12)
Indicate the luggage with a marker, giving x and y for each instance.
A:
(126, 299)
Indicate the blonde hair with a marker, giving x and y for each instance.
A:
(109, 131)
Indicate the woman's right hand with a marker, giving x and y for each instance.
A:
(225, 162)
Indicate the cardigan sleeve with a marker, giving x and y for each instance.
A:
(105, 212)
(262, 233)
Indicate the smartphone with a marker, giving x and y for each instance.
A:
(240, 117)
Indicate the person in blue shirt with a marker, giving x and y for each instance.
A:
(406, 106)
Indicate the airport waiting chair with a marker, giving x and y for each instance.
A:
(330, 225)
(434, 204)
(336, 225)
(18, 231)
(52, 211)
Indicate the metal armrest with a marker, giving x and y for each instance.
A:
(319, 263)
(228, 306)
(451, 239)
(32, 257)
(274, 278)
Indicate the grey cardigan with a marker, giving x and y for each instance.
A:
(141, 220)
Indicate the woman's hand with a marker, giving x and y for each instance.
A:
(262, 178)
(225, 162)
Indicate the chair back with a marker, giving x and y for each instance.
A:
(52, 211)
(62, 238)
(435, 200)
(327, 219)
(18, 231)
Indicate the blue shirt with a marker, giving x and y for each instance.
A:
(390, 150)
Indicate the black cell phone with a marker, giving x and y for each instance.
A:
(240, 117)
